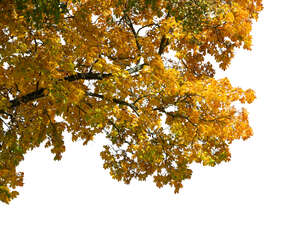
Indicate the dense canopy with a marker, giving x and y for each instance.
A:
(140, 71)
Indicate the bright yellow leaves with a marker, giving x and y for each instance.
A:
(138, 72)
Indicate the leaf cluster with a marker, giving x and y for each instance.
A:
(139, 71)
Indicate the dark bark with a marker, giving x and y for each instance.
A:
(79, 76)
(87, 76)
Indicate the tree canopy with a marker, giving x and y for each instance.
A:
(140, 71)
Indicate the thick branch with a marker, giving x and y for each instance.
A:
(163, 44)
(79, 76)
(87, 76)
(25, 99)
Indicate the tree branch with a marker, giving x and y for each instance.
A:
(79, 76)
(175, 115)
(163, 44)
(87, 76)
(129, 22)
(148, 25)
(115, 100)
(25, 99)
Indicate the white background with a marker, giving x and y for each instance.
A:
(250, 203)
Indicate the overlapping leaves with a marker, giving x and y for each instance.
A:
(138, 71)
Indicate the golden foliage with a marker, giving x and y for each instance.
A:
(138, 71)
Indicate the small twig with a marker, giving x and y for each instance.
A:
(5, 123)
(148, 25)
(175, 115)
(115, 100)
(140, 98)
(91, 68)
